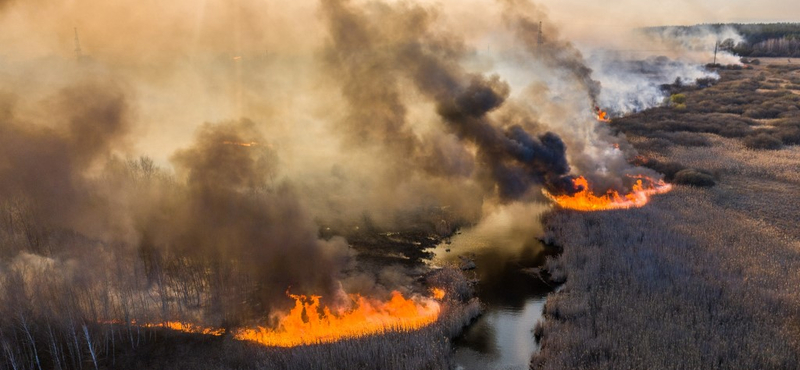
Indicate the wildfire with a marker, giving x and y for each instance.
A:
(585, 200)
(601, 115)
(309, 323)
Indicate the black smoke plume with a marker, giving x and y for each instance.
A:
(236, 210)
(46, 164)
(400, 43)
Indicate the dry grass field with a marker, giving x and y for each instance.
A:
(700, 278)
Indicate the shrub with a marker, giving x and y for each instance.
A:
(678, 99)
(687, 139)
(762, 141)
(669, 169)
(693, 177)
(788, 135)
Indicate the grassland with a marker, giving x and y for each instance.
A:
(702, 277)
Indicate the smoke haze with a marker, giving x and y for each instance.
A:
(171, 139)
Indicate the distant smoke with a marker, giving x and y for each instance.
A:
(696, 43)
(525, 18)
(631, 85)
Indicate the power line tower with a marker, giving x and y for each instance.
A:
(78, 53)
(539, 38)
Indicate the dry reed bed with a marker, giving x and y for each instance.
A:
(699, 278)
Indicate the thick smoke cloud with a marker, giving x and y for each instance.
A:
(234, 209)
(62, 187)
(46, 164)
(512, 160)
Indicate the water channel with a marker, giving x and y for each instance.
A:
(513, 296)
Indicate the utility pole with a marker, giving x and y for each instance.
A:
(78, 54)
(715, 52)
(539, 39)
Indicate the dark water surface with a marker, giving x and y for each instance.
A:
(502, 338)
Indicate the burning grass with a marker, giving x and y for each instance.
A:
(586, 200)
(310, 323)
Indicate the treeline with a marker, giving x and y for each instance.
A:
(759, 39)
(765, 40)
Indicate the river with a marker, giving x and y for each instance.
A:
(501, 338)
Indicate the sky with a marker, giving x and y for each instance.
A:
(590, 21)
(676, 12)
(41, 27)
(159, 41)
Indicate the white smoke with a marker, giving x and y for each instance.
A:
(695, 43)
(635, 85)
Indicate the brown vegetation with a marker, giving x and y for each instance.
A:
(700, 278)
(760, 106)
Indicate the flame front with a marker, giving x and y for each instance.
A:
(186, 328)
(585, 200)
(309, 323)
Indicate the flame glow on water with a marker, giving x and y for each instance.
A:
(585, 200)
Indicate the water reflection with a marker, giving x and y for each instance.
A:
(502, 338)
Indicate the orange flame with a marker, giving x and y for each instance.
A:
(437, 293)
(309, 323)
(585, 200)
(186, 328)
(601, 115)
(252, 143)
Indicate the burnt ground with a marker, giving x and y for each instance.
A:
(381, 248)
(703, 277)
